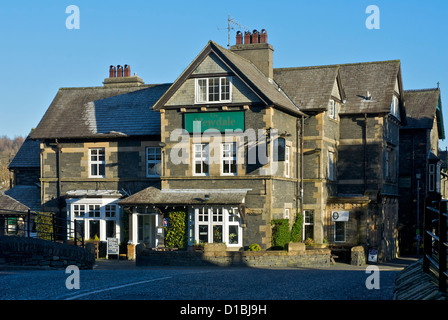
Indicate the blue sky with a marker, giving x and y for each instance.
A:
(158, 39)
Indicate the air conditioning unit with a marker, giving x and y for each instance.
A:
(339, 216)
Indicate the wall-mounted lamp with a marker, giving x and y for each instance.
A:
(206, 197)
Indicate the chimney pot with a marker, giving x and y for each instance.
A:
(112, 72)
(119, 71)
(263, 36)
(127, 70)
(246, 37)
(255, 36)
(239, 37)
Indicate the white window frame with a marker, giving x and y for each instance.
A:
(331, 166)
(225, 217)
(230, 159)
(93, 205)
(286, 214)
(333, 109)
(287, 162)
(306, 222)
(199, 94)
(154, 152)
(203, 159)
(394, 107)
(98, 163)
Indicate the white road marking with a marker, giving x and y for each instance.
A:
(77, 296)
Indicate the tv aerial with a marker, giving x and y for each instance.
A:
(231, 22)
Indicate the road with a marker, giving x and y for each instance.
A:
(123, 281)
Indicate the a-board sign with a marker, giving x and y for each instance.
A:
(113, 247)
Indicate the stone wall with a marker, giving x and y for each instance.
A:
(41, 253)
(216, 255)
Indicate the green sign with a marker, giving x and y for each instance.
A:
(202, 121)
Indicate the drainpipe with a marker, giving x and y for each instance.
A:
(364, 141)
(59, 188)
(299, 171)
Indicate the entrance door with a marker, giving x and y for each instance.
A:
(146, 229)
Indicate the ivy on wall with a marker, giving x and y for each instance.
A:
(176, 231)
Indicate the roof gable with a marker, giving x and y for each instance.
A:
(376, 78)
(28, 155)
(423, 107)
(264, 89)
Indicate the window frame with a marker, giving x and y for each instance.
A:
(158, 152)
(333, 109)
(199, 93)
(306, 222)
(98, 163)
(331, 165)
(395, 107)
(232, 159)
(287, 162)
(207, 218)
(344, 229)
(203, 159)
(95, 212)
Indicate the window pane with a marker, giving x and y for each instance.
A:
(217, 234)
(102, 169)
(339, 231)
(101, 156)
(202, 90)
(225, 89)
(213, 89)
(203, 234)
(110, 228)
(79, 228)
(94, 170)
(233, 234)
(94, 226)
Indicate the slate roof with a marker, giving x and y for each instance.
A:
(265, 88)
(421, 108)
(309, 87)
(27, 156)
(376, 77)
(8, 205)
(28, 196)
(154, 195)
(97, 112)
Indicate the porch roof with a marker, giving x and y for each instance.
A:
(93, 194)
(156, 196)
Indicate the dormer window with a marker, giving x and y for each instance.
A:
(394, 108)
(213, 90)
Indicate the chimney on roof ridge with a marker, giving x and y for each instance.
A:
(121, 77)
(255, 49)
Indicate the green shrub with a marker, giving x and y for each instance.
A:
(44, 225)
(254, 247)
(176, 232)
(297, 227)
(280, 233)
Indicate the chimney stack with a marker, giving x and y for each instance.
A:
(256, 49)
(121, 77)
